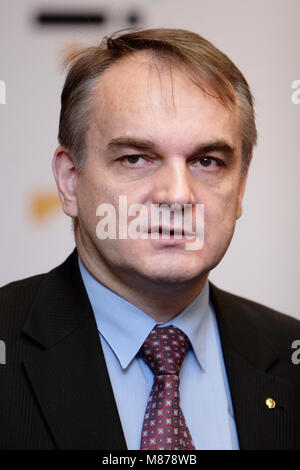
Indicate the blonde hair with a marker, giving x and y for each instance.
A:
(203, 63)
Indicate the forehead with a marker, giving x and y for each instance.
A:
(141, 96)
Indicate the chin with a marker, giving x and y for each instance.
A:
(167, 274)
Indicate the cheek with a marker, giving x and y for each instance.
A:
(89, 196)
(221, 212)
(93, 190)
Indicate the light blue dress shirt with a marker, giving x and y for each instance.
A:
(204, 392)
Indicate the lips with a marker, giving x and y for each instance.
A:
(171, 231)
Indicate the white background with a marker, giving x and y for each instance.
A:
(261, 37)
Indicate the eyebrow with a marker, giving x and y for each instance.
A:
(131, 142)
(218, 145)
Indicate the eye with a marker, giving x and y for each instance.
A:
(133, 160)
(208, 162)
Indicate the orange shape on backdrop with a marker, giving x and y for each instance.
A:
(44, 204)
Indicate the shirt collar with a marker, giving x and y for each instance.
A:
(125, 327)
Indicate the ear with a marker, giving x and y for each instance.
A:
(241, 195)
(65, 175)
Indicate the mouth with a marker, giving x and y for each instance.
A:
(170, 235)
(170, 231)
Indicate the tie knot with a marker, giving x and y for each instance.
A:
(164, 350)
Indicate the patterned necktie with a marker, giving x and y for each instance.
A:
(164, 425)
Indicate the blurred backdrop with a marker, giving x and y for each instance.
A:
(262, 38)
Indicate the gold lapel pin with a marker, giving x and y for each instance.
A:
(270, 403)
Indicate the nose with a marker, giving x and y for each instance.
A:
(173, 184)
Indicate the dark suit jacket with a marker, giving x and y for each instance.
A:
(55, 391)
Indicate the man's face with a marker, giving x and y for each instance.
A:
(192, 156)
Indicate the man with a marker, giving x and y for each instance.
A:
(162, 119)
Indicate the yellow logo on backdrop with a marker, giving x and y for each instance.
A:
(44, 204)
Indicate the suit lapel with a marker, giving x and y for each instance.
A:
(250, 359)
(68, 372)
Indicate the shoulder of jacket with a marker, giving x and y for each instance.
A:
(16, 299)
(259, 313)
